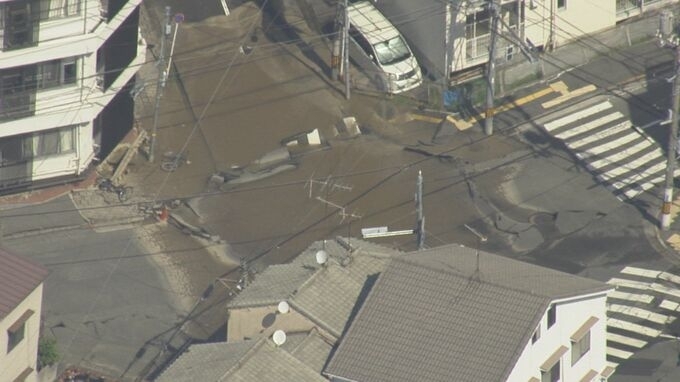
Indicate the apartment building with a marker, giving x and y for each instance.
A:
(66, 71)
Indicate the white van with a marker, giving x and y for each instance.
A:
(378, 47)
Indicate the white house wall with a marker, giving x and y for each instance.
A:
(583, 17)
(25, 354)
(571, 315)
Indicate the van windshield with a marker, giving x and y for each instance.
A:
(391, 51)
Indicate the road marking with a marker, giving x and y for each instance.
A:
(635, 175)
(615, 143)
(645, 298)
(618, 353)
(462, 124)
(632, 342)
(634, 328)
(523, 100)
(629, 283)
(633, 192)
(641, 313)
(565, 97)
(640, 272)
(674, 241)
(619, 127)
(425, 118)
(571, 118)
(591, 125)
(619, 156)
(669, 305)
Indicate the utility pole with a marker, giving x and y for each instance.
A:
(345, 57)
(162, 79)
(494, 11)
(336, 53)
(420, 230)
(667, 37)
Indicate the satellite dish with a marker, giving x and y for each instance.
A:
(279, 337)
(321, 257)
(284, 307)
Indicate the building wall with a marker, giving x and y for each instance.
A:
(256, 322)
(113, 29)
(571, 315)
(25, 353)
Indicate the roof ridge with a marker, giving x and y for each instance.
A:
(445, 269)
(249, 354)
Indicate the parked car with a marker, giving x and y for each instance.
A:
(377, 47)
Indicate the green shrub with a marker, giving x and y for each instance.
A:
(47, 352)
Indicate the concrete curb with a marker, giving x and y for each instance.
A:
(111, 225)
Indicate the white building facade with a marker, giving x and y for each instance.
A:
(19, 333)
(569, 343)
(66, 69)
(450, 37)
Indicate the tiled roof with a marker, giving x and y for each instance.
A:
(249, 361)
(450, 313)
(269, 363)
(206, 362)
(276, 283)
(18, 278)
(313, 351)
(329, 298)
(325, 294)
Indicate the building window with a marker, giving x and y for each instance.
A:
(580, 340)
(14, 337)
(580, 348)
(56, 73)
(56, 9)
(20, 148)
(536, 335)
(16, 332)
(552, 315)
(551, 375)
(561, 4)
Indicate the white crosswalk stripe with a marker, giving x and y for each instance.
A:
(632, 342)
(597, 137)
(639, 310)
(571, 118)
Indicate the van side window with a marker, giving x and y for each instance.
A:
(361, 41)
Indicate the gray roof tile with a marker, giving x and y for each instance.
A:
(447, 314)
(206, 362)
(313, 351)
(276, 283)
(271, 364)
(325, 294)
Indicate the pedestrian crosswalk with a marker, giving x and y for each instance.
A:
(638, 311)
(624, 160)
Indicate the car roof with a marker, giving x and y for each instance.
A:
(371, 23)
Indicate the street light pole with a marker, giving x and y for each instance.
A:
(667, 37)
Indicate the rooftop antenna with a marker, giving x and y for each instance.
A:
(279, 337)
